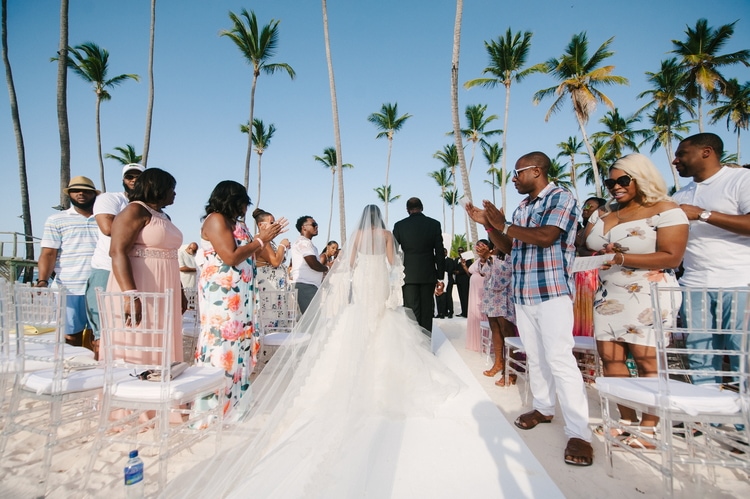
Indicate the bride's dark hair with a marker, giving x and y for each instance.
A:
(372, 212)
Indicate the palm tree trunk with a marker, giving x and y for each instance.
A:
(150, 105)
(20, 148)
(387, 171)
(336, 129)
(739, 160)
(62, 104)
(574, 176)
(442, 198)
(503, 186)
(492, 179)
(594, 165)
(330, 213)
(700, 110)
(99, 142)
(250, 132)
(670, 158)
(454, 108)
(260, 157)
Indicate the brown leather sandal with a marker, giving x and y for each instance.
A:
(531, 419)
(579, 452)
(511, 380)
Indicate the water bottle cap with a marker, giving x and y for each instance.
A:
(133, 453)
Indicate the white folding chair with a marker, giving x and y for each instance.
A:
(515, 363)
(587, 358)
(711, 409)
(191, 325)
(64, 394)
(276, 318)
(9, 362)
(142, 345)
(485, 345)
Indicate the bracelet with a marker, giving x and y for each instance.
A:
(260, 241)
(489, 229)
(622, 263)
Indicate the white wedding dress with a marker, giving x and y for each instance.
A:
(330, 414)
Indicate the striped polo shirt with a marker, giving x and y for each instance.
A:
(74, 237)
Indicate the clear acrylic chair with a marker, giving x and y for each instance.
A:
(485, 344)
(191, 325)
(587, 358)
(721, 412)
(515, 363)
(277, 316)
(132, 405)
(9, 361)
(62, 399)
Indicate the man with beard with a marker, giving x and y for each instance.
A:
(106, 207)
(67, 246)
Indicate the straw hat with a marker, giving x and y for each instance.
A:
(81, 183)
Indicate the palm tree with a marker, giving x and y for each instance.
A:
(89, 61)
(330, 160)
(443, 179)
(507, 58)
(20, 148)
(451, 198)
(496, 180)
(493, 153)
(558, 175)
(579, 77)
(476, 130)
(150, 105)
(384, 192)
(699, 53)
(261, 140)
(735, 108)
(454, 113)
(62, 104)
(603, 159)
(388, 122)
(127, 155)
(257, 47)
(618, 132)
(336, 130)
(666, 126)
(570, 148)
(449, 157)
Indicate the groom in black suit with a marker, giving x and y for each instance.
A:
(421, 240)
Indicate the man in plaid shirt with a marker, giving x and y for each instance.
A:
(541, 241)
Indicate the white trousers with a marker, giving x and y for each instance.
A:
(546, 330)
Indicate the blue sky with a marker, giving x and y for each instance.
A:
(385, 51)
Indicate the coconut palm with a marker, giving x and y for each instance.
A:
(495, 180)
(62, 104)
(127, 155)
(20, 148)
(492, 154)
(330, 160)
(618, 133)
(384, 192)
(449, 157)
(388, 122)
(336, 128)
(570, 148)
(90, 62)
(579, 77)
(603, 160)
(451, 198)
(443, 179)
(257, 46)
(700, 55)
(476, 127)
(558, 175)
(261, 140)
(150, 105)
(666, 126)
(507, 58)
(735, 108)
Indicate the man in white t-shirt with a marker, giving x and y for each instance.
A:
(107, 206)
(717, 203)
(186, 260)
(307, 271)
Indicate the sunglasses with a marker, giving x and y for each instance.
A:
(130, 177)
(516, 172)
(314, 224)
(623, 181)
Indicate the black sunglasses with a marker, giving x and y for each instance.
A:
(623, 181)
(128, 176)
(314, 224)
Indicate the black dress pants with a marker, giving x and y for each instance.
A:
(420, 299)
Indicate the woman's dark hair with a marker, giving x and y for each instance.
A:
(487, 243)
(261, 215)
(152, 186)
(229, 198)
(376, 219)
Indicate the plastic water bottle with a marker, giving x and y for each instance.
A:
(134, 476)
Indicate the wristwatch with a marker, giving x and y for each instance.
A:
(703, 217)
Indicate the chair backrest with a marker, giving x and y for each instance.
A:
(145, 341)
(191, 294)
(277, 311)
(8, 347)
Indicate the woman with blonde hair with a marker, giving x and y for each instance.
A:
(646, 234)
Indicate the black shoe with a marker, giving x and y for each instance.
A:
(440, 317)
(450, 316)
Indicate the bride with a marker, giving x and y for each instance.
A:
(336, 402)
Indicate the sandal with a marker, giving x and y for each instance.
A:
(531, 419)
(579, 452)
(492, 371)
(615, 432)
(511, 380)
(634, 443)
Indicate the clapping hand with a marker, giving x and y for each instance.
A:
(269, 231)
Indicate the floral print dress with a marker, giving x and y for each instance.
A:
(622, 306)
(227, 338)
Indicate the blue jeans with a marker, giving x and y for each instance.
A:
(704, 340)
(97, 279)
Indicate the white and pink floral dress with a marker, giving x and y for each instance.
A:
(622, 306)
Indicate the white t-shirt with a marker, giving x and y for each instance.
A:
(714, 256)
(107, 203)
(301, 271)
(185, 259)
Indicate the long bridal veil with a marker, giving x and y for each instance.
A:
(329, 409)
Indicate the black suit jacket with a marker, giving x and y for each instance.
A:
(421, 240)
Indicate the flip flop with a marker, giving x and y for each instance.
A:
(531, 419)
(579, 452)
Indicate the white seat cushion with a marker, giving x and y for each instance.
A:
(584, 343)
(685, 397)
(75, 381)
(195, 380)
(278, 339)
(47, 351)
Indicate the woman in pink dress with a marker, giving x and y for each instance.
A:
(478, 271)
(144, 251)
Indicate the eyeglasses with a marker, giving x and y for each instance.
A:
(588, 206)
(130, 176)
(623, 181)
(516, 172)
